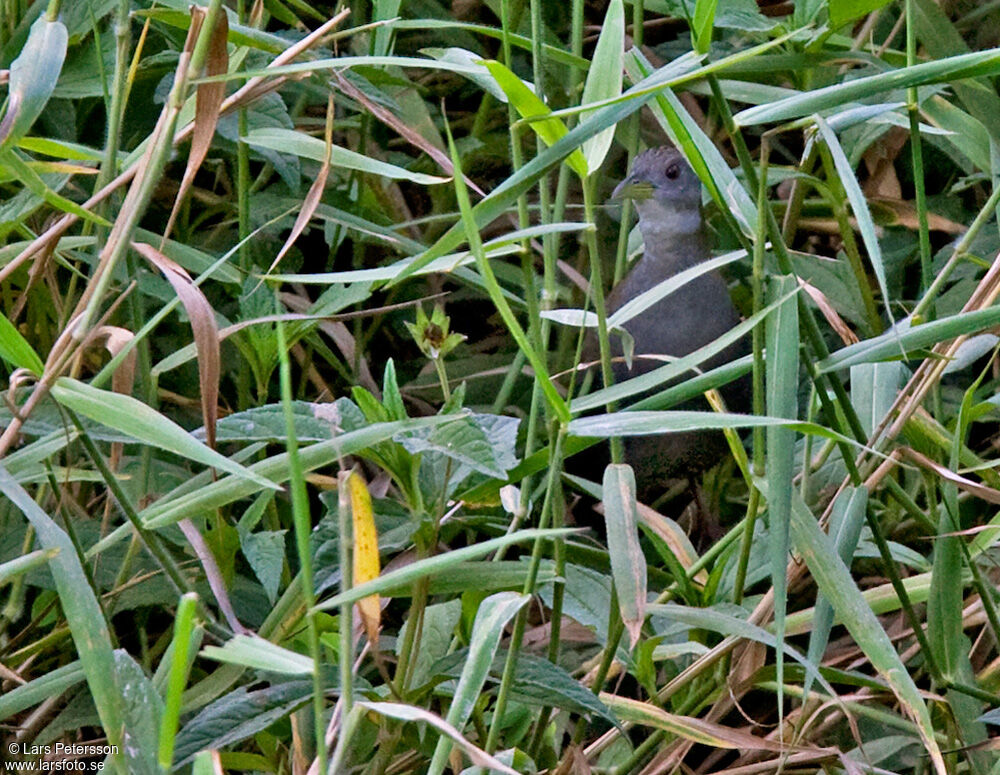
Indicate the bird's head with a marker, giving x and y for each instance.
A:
(664, 188)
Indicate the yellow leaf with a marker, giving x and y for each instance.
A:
(366, 560)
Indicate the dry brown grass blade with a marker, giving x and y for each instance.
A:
(204, 327)
(696, 729)
(123, 379)
(836, 322)
(389, 119)
(987, 494)
(929, 372)
(208, 104)
(312, 198)
(212, 574)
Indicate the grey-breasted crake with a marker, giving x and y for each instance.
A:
(667, 197)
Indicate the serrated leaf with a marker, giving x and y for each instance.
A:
(463, 440)
(237, 716)
(265, 551)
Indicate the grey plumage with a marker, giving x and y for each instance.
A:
(667, 196)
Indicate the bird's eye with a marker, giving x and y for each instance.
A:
(672, 172)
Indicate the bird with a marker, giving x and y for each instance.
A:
(667, 196)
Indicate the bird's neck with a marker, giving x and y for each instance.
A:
(674, 239)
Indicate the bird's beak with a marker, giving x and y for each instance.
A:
(632, 188)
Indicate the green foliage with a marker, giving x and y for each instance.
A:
(397, 158)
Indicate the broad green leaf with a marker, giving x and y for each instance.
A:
(130, 416)
(466, 442)
(491, 619)
(15, 349)
(265, 551)
(536, 681)
(628, 565)
(529, 105)
(436, 633)
(84, 617)
(604, 79)
(238, 716)
(308, 147)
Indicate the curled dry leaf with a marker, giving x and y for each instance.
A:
(847, 336)
(312, 199)
(208, 104)
(115, 339)
(204, 327)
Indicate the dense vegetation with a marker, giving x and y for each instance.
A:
(288, 291)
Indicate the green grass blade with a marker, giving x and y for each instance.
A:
(835, 582)
(604, 79)
(782, 375)
(866, 225)
(628, 565)
(15, 349)
(487, 630)
(980, 63)
(132, 417)
(83, 615)
(438, 564)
